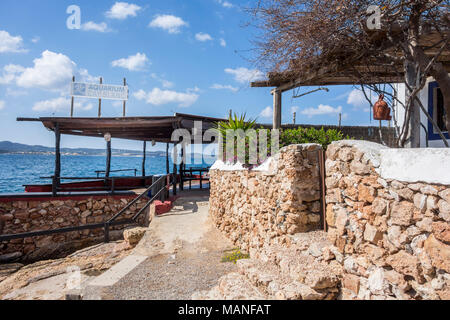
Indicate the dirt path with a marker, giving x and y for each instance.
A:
(184, 253)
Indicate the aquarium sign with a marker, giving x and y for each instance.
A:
(99, 91)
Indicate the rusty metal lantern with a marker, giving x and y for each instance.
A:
(381, 110)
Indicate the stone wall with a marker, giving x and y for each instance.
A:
(19, 215)
(392, 237)
(254, 207)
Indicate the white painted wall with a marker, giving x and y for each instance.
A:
(429, 165)
(400, 113)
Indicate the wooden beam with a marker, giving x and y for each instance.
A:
(277, 97)
(144, 156)
(167, 159)
(108, 158)
(57, 156)
(100, 102)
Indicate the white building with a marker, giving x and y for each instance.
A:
(432, 99)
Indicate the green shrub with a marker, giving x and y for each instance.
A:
(234, 256)
(310, 135)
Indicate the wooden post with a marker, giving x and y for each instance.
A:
(174, 182)
(57, 179)
(144, 155)
(71, 105)
(167, 159)
(277, 95)
(182, 168)
(294, 116)
(340, 119)
(108, 159)
(124, 102)
(100, 102)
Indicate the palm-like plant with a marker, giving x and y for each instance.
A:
(234, 123)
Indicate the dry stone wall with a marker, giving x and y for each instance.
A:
(392, 237)
(264, 205)
(36, 214)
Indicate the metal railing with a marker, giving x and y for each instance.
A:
(110, 222)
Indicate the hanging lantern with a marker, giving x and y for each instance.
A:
(381, 109)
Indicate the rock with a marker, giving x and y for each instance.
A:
(351, 282)
(445, 195)
(372, 234)
(425, 224)
(432, 203)
(341, 220)
(402, 213)
(396, 237)
(133, 236)
(10, 257)
(405, 263)
(444, 210)
(441, 231)
(420, 201)
(359, 168)
(406, 193)
(375, 281)
(438, 252)
(379, 206)
(366, 194)
(430, 190)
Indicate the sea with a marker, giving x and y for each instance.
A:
(19, 169)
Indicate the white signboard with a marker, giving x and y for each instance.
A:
(99, 91)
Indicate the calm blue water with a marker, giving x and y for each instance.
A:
(17, 170)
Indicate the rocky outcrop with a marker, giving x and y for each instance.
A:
(18, 216)
(393, 235)
(261, 206)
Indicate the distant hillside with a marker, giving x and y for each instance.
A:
(11, 147)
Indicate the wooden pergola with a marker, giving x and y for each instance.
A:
(146, 129)
(356, 70)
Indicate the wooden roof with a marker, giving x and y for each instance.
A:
(159, 129)
(358, 71)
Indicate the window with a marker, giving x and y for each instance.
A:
(437, 111)
(440, 111)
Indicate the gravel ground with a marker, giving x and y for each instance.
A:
(156, 279)
(184, 252)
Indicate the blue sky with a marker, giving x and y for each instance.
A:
(178, 56)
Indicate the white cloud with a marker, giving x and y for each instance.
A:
(51, 71)
(92, 26)
(321, 110)
(2, 104)
(10, 73)
(357, 99)
(267, 113)
(244, 75)
(164, 83)
(225, 4)
(123, 10)
(159, 97)
(9, 43)
(169, 23)
(132, 63)
(224, 87)
(36, 39)
(203, 37)
(223, 43)
(61, 104)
